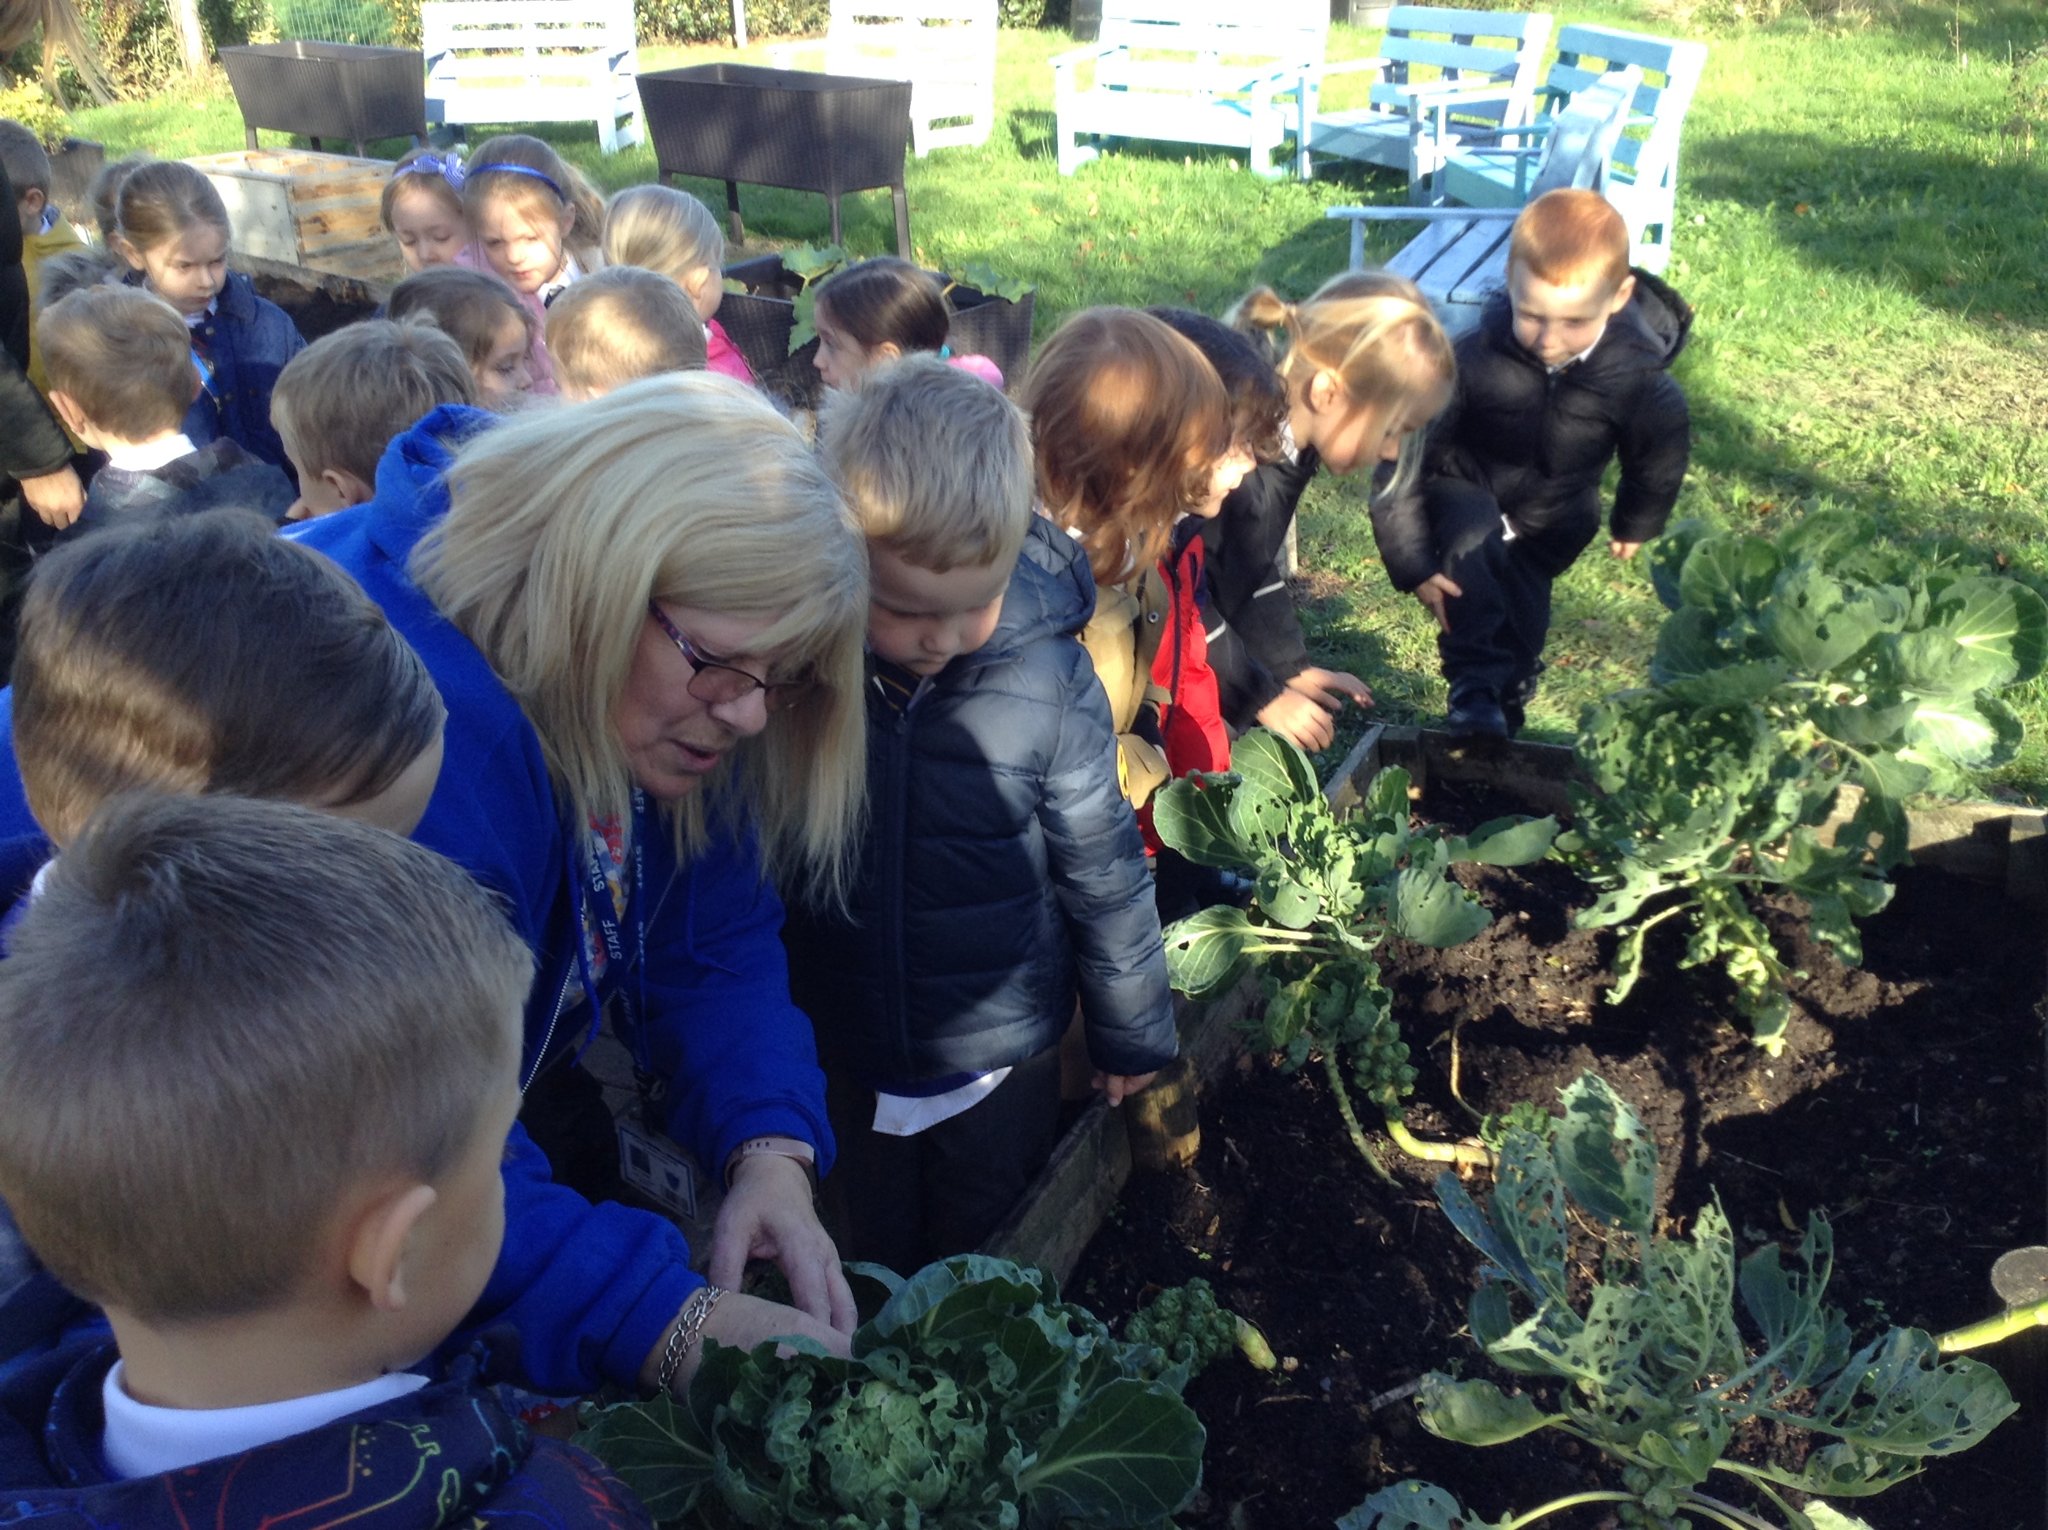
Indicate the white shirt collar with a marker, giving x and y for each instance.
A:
(146, 1441)
(1575, 360)
(143, 456)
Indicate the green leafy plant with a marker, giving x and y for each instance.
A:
(1326, 893)
(1787, 671)
(1648, 1358)
(1188, 1327)
(976, 1399)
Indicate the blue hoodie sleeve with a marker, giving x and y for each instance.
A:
(740, 1056)
(588, 1288)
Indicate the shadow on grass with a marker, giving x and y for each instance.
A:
(1959, 235)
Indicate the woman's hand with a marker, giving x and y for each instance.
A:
(1433, 592)
(768, 1214)
(743, 1322)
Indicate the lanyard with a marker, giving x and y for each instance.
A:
(593, 892)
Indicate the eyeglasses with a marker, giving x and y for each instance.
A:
(716, 682)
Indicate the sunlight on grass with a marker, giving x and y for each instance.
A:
(1863, 214)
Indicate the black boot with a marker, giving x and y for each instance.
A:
(1475, 712)
(1514, 701)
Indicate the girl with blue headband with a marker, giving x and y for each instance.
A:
(534, 222)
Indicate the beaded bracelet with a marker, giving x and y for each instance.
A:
(689, 1323)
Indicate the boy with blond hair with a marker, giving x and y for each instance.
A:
(619, 325)
(348, 395)
(277, 1239)
(1565, 373)
(121, 379)
(1002, 873)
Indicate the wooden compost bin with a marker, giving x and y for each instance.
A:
(1997, 843)
(297, 208)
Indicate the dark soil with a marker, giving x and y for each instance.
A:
(1908, 1107)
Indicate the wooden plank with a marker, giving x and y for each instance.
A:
(1059, 1215)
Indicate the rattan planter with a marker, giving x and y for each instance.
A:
(792, 128)
(329, 90)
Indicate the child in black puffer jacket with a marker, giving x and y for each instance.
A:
(1565, 373)
(1001, 875)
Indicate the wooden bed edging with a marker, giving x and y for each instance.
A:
(1062, 1210)
(1994, 842)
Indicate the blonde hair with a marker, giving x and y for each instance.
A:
(528, 173)
(1568, 236)
(160, 200)
(200, 974)
(662, 230)
(1375, 333)
(410, 174)
(619, 325)
(123, 355)
(688, 489)
(1128, 420)
(935, 464)
(342, 400)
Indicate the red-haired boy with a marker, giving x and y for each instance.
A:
(1565, 373)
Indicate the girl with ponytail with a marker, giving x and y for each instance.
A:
(1365, 366)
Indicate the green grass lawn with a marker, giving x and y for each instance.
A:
(1864, 223)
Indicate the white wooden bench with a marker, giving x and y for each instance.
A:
(945, 48)
(534, 61)
(1490, 59)
(1220, 72)
(1460, 259)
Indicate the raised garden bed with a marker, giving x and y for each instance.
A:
(1908, 1106)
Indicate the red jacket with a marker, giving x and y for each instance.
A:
(1191, 724)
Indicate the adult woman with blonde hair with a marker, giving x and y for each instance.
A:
(645, 616)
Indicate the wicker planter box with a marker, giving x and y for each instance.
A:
(781, 127)
(760, 321)
(303, 209)
(329, 90)
(995, 327)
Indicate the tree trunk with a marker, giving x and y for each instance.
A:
(191, 36)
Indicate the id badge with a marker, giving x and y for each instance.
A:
(651, 1165)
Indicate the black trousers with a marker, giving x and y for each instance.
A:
(906, 1201)
(1499, 624)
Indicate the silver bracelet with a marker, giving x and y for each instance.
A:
(689, 1323)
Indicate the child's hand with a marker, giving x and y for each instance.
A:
(1330, 687)
(1433, 592)
(1624, 550)
(1121, 1086)
(56, 497)
(1299, 718)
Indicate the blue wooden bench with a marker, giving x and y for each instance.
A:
(1490, 60)
(1221, 72)
(1460, 258)
(1496, 170)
